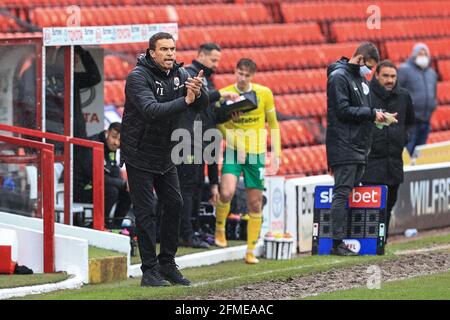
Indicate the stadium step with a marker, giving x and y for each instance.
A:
(107, 269)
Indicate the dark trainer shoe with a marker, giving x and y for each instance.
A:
(171, 273)
(342, 250)
(152, 278)
(197, 243)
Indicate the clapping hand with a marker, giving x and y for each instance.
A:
(194, 86)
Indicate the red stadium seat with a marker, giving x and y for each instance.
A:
(439, 136)
(444, 69)
(401, 50)
(440, 119)
(346, 11)
(391, 30)
(443, 92)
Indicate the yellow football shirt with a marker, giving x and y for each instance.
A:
(250, 131)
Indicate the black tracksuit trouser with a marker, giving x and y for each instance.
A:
(167, 189)
(346, 177)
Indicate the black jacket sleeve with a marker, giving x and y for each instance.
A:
(141, 95)
(340, 96)
(201, 102)
(410, 118)
(91, 76)
(213, 173)
(213, 96)
(410, 115)
(115, 182)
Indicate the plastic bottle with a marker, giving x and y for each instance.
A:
(410, 233)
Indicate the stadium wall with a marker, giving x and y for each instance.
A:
(71, 254)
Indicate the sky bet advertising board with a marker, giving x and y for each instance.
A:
(365, 221)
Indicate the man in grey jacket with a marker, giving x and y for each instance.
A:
(417, 76)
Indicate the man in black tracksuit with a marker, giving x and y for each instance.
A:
(191, 172)
(350, 120)
(385, 164)
(115, 187)
(158, 92)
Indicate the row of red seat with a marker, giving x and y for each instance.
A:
(114, 93)
(8, 24)
(401, 50)
(284, 81)
(85, 3)
(218, 14)
(440, 120)
(307, 160)
(390, 30)
(272, 58)
(443, 92)
(243, 36)
(115, 68)
(302, 105)
(439, 136)
(301, 12)
(444, 69)
(279, 58)
(299, 133)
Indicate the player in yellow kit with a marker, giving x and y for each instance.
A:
(246, 137)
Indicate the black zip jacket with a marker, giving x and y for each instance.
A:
(82, 168)
(350, 115)
(154, 103)
(209, 118)
(385, 165)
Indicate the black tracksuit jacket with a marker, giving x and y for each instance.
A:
(154, 104)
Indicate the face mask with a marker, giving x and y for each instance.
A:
(364, 70)
(422, 61)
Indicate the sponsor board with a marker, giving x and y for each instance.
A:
(423, 199)
(365, 221)
(101, 35)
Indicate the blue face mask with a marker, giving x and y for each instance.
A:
(364, 70)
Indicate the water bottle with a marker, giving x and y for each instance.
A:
(410, 233)
(126, 222)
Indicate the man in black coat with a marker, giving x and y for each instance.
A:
(116, 190)
(385, 165)
(191, 172)
(158, 91)
(350, 120)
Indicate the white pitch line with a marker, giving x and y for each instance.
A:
(437, 248)
(400, 252)
(74, 282)
(266, 272)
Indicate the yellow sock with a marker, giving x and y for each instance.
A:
(222, 210)
(253, 230)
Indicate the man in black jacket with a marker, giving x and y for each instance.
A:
(385, 164)
(350, 120)
(158, 92)
(116, 190)
(191, 172)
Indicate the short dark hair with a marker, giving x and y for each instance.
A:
(385, 64)
(368, 50)
(158, 36)
(246, 63)
(115, 126)
(208, 47)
